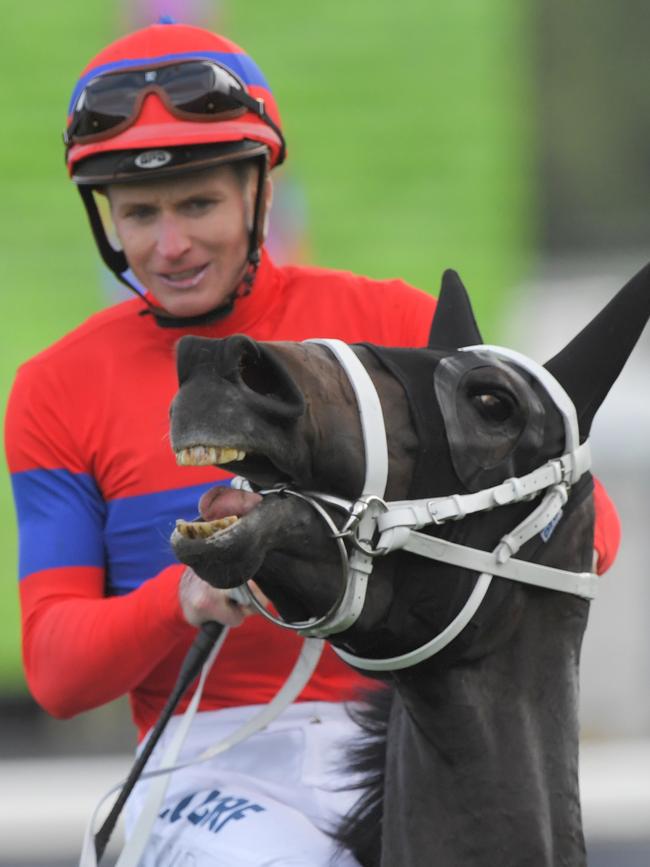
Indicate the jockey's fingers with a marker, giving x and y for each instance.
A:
(241, 597)
(200, 602)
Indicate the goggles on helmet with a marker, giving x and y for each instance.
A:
(194, 90)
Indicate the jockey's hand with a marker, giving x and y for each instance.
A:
(201, 602)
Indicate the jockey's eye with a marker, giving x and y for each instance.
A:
(493, 406)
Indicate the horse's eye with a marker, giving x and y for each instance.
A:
(493, 407)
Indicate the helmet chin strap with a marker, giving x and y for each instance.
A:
(116, 261)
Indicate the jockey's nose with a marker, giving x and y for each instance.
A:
(172, 241)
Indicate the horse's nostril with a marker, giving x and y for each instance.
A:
(267, 377)
(258, 376)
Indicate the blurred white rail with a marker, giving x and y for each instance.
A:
(45, 804)
(615, 786)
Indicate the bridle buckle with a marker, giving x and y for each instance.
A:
(357, 512)
(356, 517)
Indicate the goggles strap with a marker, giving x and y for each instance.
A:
(256, 106)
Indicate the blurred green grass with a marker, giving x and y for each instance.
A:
(409, 126)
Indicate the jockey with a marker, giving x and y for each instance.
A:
(173, 131)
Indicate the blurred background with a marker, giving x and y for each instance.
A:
(509, 140)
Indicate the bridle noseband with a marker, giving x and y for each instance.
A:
(374, 527)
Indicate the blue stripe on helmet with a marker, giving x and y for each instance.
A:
(241, 64)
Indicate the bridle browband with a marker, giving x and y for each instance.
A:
(375, 527)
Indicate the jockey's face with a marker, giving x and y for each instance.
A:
(186, 238)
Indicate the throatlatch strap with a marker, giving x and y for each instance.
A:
(442, 639)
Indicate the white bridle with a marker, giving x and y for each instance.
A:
(395, 525)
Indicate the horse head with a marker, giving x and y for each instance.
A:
(458, 421)
(475, 458)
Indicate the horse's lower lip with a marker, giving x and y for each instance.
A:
(229, 556)
(204, 529)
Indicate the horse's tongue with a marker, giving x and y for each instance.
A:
(221, 502)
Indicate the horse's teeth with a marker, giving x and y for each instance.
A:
(204, 529)
(223, 455)
(202, 456)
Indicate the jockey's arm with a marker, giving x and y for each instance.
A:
(82, 648)
(607, 529)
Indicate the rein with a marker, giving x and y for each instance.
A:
(95, 842)
(374, 527)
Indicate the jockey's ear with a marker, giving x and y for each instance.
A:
(589, 365)
(453, 324)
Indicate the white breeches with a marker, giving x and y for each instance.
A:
(267, 802)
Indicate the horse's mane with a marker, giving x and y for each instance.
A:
(360, 829)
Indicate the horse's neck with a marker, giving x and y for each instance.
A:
(487, 755)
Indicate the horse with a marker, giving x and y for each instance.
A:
(432, 516)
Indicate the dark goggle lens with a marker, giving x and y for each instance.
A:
(105, 103)
(200, 88)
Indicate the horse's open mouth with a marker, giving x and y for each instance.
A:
(221, 507)
(236, 529)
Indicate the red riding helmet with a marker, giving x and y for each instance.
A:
(115, 83)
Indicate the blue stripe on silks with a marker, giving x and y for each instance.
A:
(60, 515)
(65, 522)
(244, 66)
(137, 533)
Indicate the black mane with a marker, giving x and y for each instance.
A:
(360, 829)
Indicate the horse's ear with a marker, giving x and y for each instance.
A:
(590, 364)
(453, 324)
